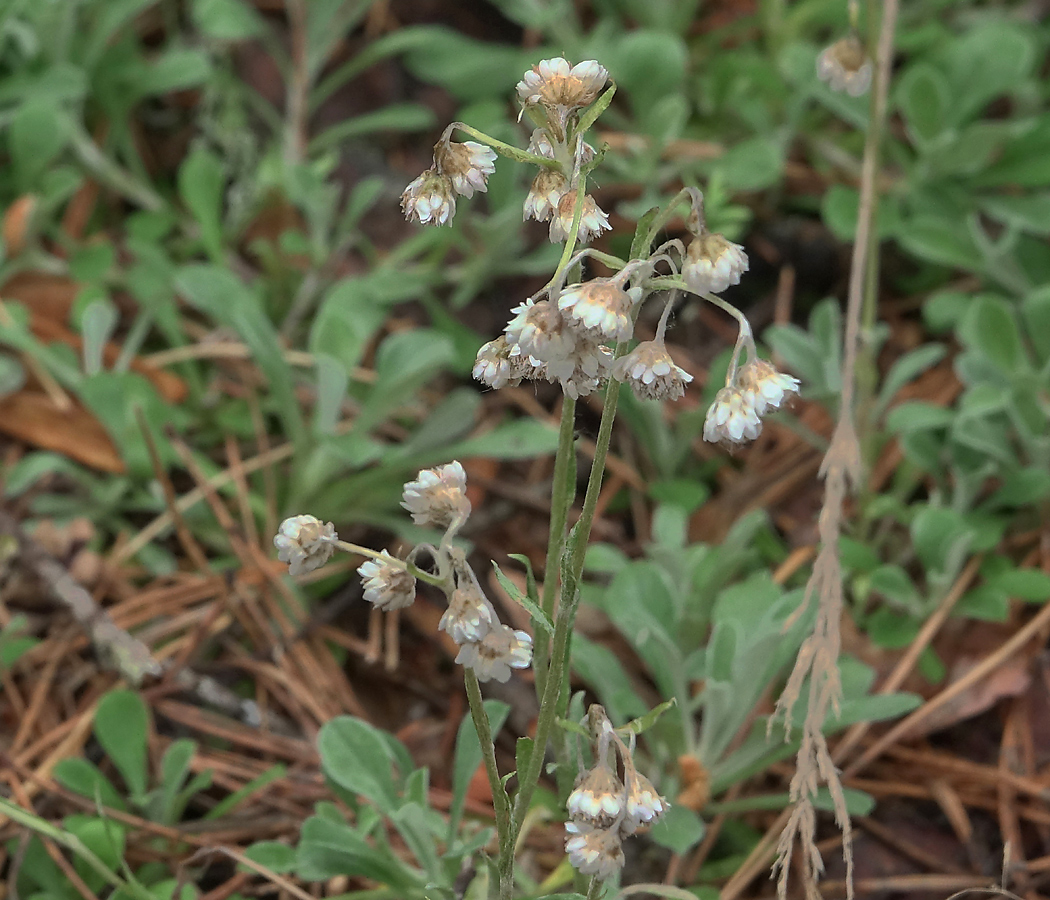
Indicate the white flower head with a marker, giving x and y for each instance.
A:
(593, 220)
(539, 330)
(499, 651)
(438, 496)
(713, 263)
(594, 851)
(467, 165)
(556, 86)
(548, 187)
(845, 66)
(430, 199)
(598, 798)
(305, 543)
(764, 386)
(387, 586)
(469, 616)
(493, 366)
(732, 418)
(645, 806)
(582, 370)
(651, 372)
(601, 308)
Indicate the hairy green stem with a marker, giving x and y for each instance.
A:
(562, 495)
(501, 803)
(508, 150)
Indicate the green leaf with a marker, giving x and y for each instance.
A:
(348, 318)
(918, 415)
(467, 756)
(990, 327)
(519, 439)
(679, 830)
(893, 583)
(38, 131)
(355, 756)
(202, 182)
(328, 848)
(907, 369)
(331, 392)
(890, 628)
(753, 164)
(1029, 213)
(923, 97)
(102, 837)
(941, 537)
(644, 723)
(176, 69)
(277, 857)
(121, 725)
(539, 617)
(97, 325)
(394, 117)
(1035, 311)
(1025, 584)
(227, 20)
(174, 768)
(940, 240)
(232, 801)
(523, 750)
(84, 778)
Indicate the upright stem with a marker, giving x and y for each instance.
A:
(500, 800)
(562, 495)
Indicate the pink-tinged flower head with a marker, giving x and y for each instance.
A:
(599, 797)
(430, 199)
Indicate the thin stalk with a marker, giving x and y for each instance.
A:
(508, 150)
(73, 843)
(411, 568)
(562, 495)
(500, 801)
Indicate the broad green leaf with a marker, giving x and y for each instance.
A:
(941, 537)
(1029, 213)
(331, 392)
(176, 69)
(328, 848)
(121, 724)
(227, 20)
(923, 96)
(679, 830)
(346, 321)
(83, 777)
(1035, 311)
(990, 327)
(174, 768)
(202, 183)
(36, 134)
(277, 857)
(355, 756)
(102, 837)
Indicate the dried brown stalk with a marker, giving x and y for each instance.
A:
(818, 656)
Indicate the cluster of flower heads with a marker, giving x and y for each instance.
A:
(437, 499)
(553, 93)
(603, 808)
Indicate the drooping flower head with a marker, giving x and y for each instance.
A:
(387, 586)
(500, 650)
(594, 851)
(765, 387)
(539, 330)
(438, 497)
(593, 220)
(651, 372)
(548, 187)
(732, 418)
(713, 263)
(845, 66)
(305, 543)
(601, 308)
(598, 798)
(469, 616)
(430, 199)
(645, 806)
(467, 165)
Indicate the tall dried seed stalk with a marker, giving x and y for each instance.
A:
(842, 466)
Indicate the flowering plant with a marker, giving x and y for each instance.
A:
(576, 333)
